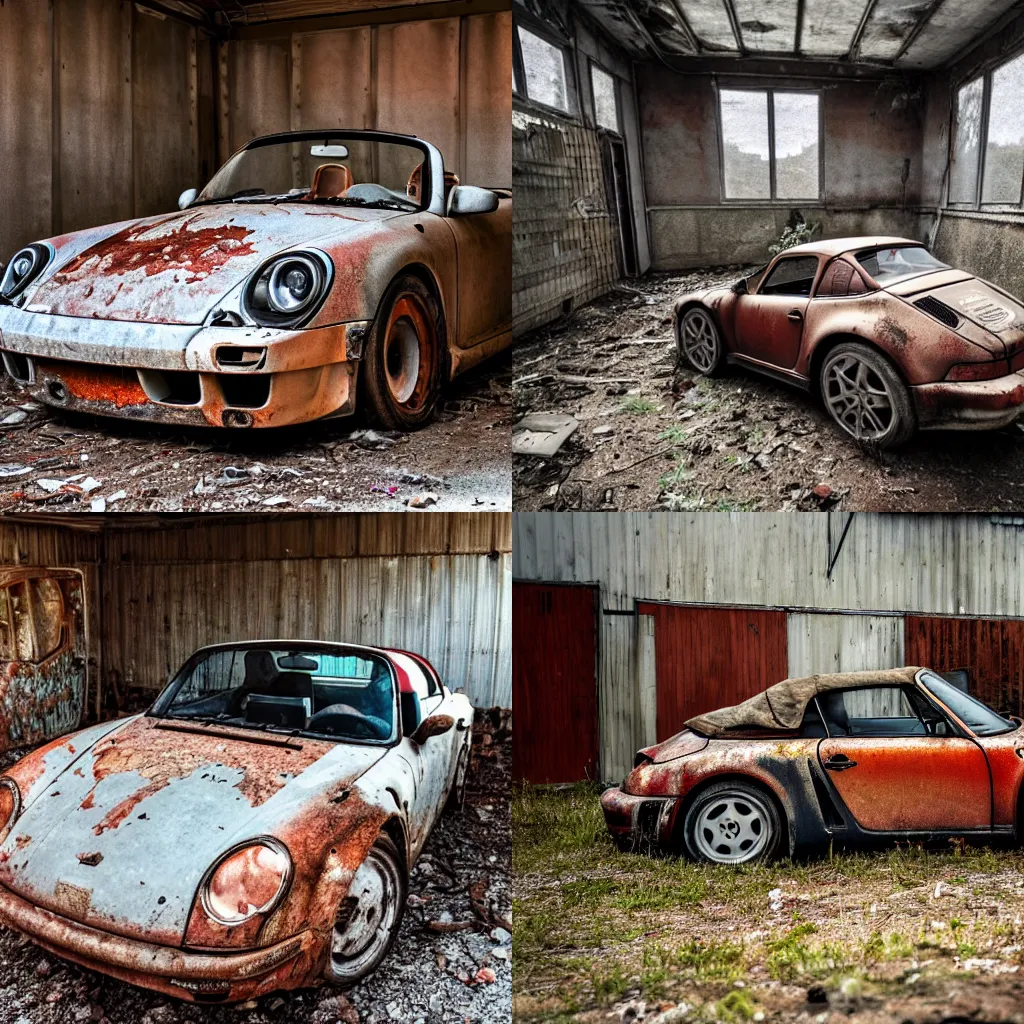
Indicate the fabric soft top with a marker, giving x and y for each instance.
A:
(782, 706)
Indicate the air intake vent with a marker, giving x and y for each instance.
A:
(938, 309)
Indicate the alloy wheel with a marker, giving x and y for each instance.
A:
(858, 398)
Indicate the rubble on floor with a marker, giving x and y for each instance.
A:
(652, 435)
(57, 461)
(452, 961)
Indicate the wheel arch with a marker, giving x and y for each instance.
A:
(825, 345)
(688, 304)
(394, 829)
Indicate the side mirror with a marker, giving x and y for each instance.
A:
(740, 287)
(187, 198)
(435, 725)
(466, 199)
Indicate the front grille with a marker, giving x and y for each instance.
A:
(938, 309)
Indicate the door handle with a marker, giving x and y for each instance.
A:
(839, 762)
(795, 315)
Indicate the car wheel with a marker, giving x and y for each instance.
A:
(865, 396)
(367, 921)
(732, 823)
(700, 341)
(405, 357)
(457, 797)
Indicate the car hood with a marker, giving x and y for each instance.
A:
(120, 836)
(176, 268)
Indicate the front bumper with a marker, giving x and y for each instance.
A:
(183, 374)
(639, 820)
(970, 405)
(198, 977)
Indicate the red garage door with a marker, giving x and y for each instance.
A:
(711, 658)
(554, 682)
(991, 651)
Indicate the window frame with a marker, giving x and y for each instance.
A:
(977, 204)
(783, 257)
(617, 130)
(770, 91)
(520, 90)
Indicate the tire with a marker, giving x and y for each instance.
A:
(367, 921)
(732, 823)
(700, 341)
(865, 396)
(406, 357)
(457, 797)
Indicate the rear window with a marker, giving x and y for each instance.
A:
(888, 265)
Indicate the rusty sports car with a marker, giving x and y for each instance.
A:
(849, 758)
(313, 263)
(254, 830)
(888, 337)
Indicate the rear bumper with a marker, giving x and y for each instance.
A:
(184, 374)
(639, 820)
(199, 977)
(970, 405)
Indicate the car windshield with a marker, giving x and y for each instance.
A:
(978, 717)
(333, 169)
(335, 692)
(888, 265)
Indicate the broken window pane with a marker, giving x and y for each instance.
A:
(545, 71)
(606, 111)
(745, 144)
(1004, 147)
(22, 618)
(796, 145)
(963, 181)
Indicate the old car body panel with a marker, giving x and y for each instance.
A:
(87, 869)
(42, 654)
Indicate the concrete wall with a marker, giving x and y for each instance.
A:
(870, 128)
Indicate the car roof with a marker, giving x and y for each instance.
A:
(836, 246)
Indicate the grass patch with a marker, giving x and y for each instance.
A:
(638, 405)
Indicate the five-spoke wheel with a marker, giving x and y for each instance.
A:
(731, 823)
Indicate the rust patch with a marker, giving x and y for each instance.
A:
(111, 384)
(199, 253)
(889, 330)
(160, 756)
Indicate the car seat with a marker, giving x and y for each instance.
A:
(833, 708)
(330, 181)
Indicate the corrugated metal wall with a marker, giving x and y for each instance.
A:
(943, 565)
(447, 80)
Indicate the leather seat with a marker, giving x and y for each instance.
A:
(331, 181)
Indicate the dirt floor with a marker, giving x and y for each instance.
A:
(452, 961)
(54, 461)
(650, 437)
(900, 934)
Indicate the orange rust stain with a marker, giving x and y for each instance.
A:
(99, 383)
(87, 803)
(199, 253)
(22, 841)
(161, 755)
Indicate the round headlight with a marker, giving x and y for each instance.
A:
(10, 806)
(293, 285)
(288, 289)
(246, 882)
(26, 265)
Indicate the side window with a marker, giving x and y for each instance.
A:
(871, 711)
(606, 108)
(48, 613)
(793, 276)
(841, 278)
(6, 626)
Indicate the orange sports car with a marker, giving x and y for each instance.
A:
(890, 339)
(856, 757)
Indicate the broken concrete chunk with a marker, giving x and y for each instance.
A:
(542, 434)
(424, 500)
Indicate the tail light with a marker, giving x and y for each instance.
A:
(979, 371)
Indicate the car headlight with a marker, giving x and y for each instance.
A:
(10, 806)
(287, 290)
(247, 881)
(24, 268)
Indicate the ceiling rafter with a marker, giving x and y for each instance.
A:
(918, 27)
(734, 24)
(869, 9)
(687, 29)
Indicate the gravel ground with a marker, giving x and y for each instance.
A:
(651, 437)
(52, 460)
(433, 975)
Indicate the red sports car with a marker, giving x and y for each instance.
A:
(891, 339)
(857, 757)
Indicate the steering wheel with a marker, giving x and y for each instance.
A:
(343, 718)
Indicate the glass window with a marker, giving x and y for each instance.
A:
(796, 145)
(978, 717)
(792, 276)
(606, 108)
(888, 265)
(963, 181)
(1004, 145)
(745, 151)
(545, 71)
(21, 617)
(48, 613)
(870, 711)
(343, 695)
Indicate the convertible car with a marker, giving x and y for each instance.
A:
(888, 337)
(254, 830)
(850, 758)
(312, 263)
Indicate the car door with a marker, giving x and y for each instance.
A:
(899, 764)
(42, 654)
(770, 323)
(483, 243)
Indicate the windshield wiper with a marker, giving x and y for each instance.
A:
(370, 204)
